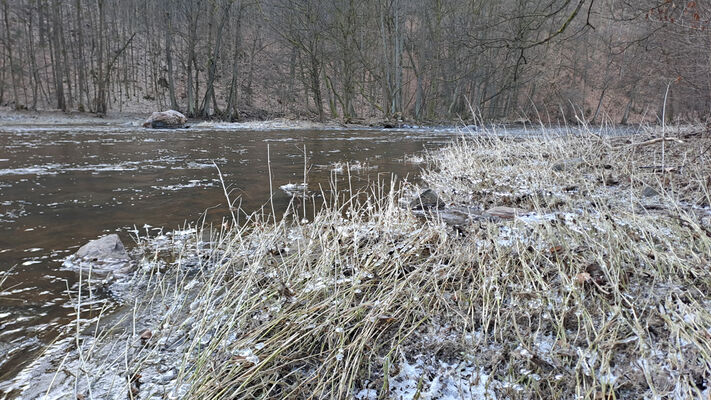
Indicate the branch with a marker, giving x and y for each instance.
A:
(587, 21)
(658, 140)
(562, 28)
(110, 66)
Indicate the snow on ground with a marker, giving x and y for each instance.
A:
(428, 378)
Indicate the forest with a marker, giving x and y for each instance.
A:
(595, 61)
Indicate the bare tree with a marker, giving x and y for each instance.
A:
(351, 59)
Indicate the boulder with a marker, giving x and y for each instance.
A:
(170, 119)
(107, 248)
(102, 256)
(427, 199)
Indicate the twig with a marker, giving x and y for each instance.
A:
(271, 190)
(305, 182)
(664, 123)
(657, 140)
(656, 168)
(227, 196)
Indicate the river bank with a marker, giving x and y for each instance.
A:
(137, 118)
(265, 122)
(62, 185)
(590, 278)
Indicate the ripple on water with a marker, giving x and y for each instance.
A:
(126, 166)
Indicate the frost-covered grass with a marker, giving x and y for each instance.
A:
(599, 292)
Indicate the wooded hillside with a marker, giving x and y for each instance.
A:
(352, 59)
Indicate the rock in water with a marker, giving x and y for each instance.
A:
(108, 247)
(427, 199)
(170, 119)
(102, 256)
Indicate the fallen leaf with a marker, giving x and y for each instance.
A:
(582, 278)
(146, 335)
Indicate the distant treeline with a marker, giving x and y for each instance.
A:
(351, 59)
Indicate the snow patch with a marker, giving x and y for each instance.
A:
(437, 379)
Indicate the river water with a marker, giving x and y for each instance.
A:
(64, 184)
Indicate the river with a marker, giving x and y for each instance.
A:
(63, 184)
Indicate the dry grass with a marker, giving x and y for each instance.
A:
(599, 293)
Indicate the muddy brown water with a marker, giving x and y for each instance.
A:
(62, 185)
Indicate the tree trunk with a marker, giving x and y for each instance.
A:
(292, 75)
(100, 98)
(387, 83)
(315, 71)
(34, 76)
(2, 82)
(8, 39)
(630, 102)
(599, 104)
(57, 69)
(65, 60)
(397, 60)
(190, 83)
(82, 87)
(212, 64)
(169, 57)
(252, 64)
(232, 110)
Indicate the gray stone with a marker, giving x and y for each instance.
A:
(427, 199)
(105, 249)
(459, 215)
(170, 119)
(504, 212)
(649, 192)
(567, 164)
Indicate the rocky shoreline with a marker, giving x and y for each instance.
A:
(263, 122)
(257, 121)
